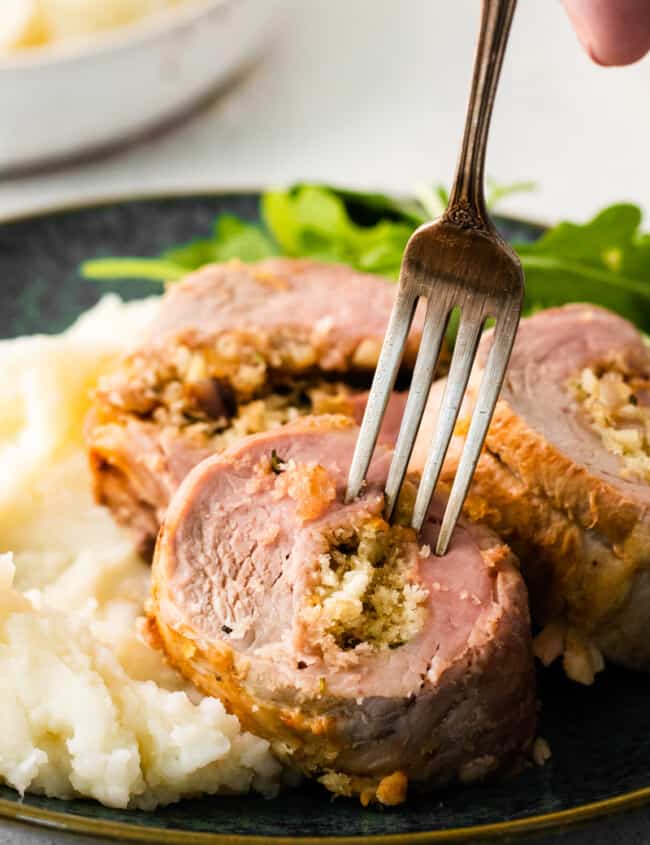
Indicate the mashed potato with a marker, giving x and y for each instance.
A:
(87, 707)
(33, 23)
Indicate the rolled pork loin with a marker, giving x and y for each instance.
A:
(236, 349)
(366, 661)
(564, 478)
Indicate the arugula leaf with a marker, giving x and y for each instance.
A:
(365, 208)
(314, 222)
(232, 238)
(592, 243)
(605, 261)
(496, 193)
(365, 230)
(113, 269)
(635, 263)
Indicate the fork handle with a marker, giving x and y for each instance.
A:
(466, 207)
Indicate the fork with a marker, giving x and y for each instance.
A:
(457, 261)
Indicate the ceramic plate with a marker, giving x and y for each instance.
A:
(599, 736)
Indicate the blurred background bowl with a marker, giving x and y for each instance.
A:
(68, 99)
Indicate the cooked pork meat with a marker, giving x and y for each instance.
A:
(234, 351)
(564, 477)
(368, 662)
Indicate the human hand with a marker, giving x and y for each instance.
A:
(613, 32)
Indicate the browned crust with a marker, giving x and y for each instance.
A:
(303, 740)
(582, 541)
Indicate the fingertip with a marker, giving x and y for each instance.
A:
(613, 32)
(617, 55)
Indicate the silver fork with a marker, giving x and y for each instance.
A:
(461, 261)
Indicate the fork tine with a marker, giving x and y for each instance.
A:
(382, 386)
(494, 373)
(461, 363)
(435, 325)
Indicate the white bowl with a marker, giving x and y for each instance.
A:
(64, 100)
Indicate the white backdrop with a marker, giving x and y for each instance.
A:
(372, 93)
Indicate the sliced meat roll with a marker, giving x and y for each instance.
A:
(565, 477)
(235, 350)
(365, 660)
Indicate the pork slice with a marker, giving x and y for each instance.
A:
(135, 469)
(237, 562)
(342, 312)
(551, 349)
(225, 336)
(547, 482)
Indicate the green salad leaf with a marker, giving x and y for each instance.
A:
(605, 261)
(366, 207)
(497, 192)
(231, 238)
(315, 222)
(112, 269)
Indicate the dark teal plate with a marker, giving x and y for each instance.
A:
(599, 736)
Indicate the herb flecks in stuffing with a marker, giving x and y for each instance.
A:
(277, 464)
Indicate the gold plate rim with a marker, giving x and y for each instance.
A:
(69, 822)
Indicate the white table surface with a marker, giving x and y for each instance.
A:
(372, 93)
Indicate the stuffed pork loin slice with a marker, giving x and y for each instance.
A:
(236, 349)
(564, 476)
(365, 660)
